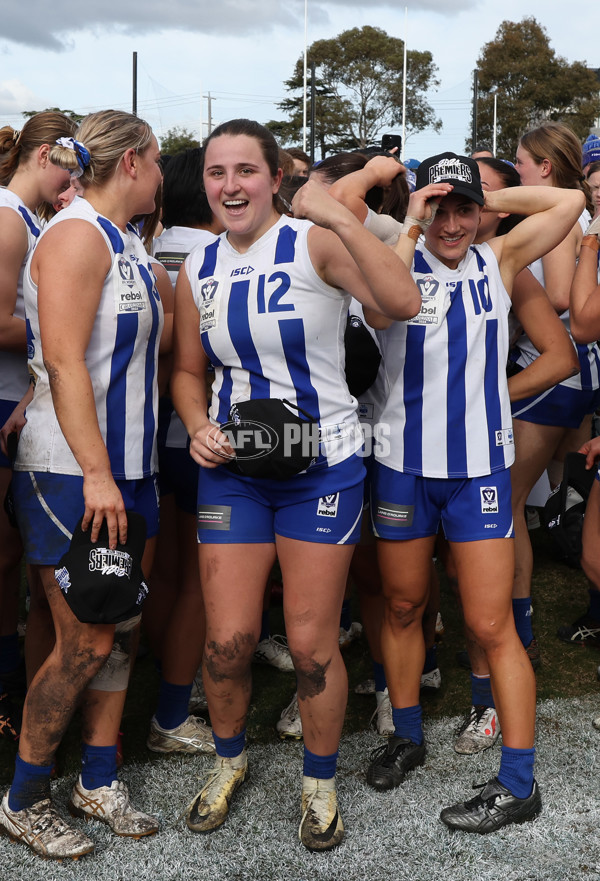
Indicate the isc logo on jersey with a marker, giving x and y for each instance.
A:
(241, 270)
(489, 500)
(328, 505)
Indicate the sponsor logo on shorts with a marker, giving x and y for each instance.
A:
(323, 529)
(489, 500)
(365, 410)
(214, 517)
(389, 514)
(505, 437)
(328, 505)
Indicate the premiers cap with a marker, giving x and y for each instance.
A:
(104, 586)
(448, 168)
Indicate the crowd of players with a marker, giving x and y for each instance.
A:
(346, 369)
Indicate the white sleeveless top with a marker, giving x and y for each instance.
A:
(121, 358)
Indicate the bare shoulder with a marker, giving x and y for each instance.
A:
(73, 243)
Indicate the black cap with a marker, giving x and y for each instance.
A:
(100, 585)
(448, 168)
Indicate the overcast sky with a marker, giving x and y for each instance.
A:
(78, 56)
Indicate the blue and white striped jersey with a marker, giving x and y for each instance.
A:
(14, 378)
(171, 248)
(447, 410)
(121, 358)
(588, 378)
(273, 329)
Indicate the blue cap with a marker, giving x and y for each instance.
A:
(590, 150)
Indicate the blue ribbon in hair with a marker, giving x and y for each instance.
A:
(81, 152)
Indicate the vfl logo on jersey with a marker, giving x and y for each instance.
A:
(504, 437)
(328, 505)
(489, 500)
(209, 309)
(432, 301)
(209, 289)
(241, 270)
(126, 271)
(129, 291)
(428, 287)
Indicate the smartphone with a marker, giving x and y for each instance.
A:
(388, 142)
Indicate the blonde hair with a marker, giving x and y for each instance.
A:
(560, 145)
(106, 135)
(42, 128)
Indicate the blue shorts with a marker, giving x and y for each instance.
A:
(48, 507)
(178, 473)
(6, 408)
(323, 505)
(405, 506)
(559, 406)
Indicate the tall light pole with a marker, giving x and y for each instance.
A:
(404, 85)
(305, 76)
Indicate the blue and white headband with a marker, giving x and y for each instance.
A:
(82, 154)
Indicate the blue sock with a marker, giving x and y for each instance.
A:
(322, 767)
(230, 747)
(346, 616)
(516, 770)
(173, 703)
(265, 626)
(31, 784)
(98, 765)
(523, 611)
(430, 659)
(10, 656)
(481, 691)
(379, 676)
(408, 723)
(594, 604)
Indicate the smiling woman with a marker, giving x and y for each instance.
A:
(269, 298)
(451, 447)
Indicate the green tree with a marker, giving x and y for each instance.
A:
(533, 84)
(76, 117)
(176, 140)
(359, 90)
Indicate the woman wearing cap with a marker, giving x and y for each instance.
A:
(451, 447)
(88, 450)
(269, 297)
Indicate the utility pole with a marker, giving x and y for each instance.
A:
(210, 99)
(134, 97)
(474, 129)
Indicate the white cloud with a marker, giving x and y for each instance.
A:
(14, 97)
(30, 24)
